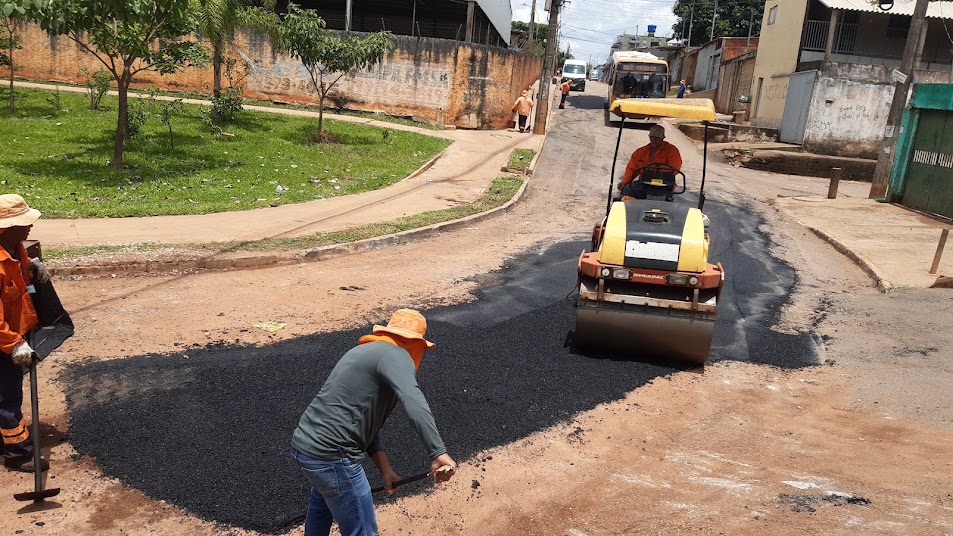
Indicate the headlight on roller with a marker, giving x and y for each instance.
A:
(682, 280)
(615, 273)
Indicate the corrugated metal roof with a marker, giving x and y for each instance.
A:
(936, 10)
(500, 13)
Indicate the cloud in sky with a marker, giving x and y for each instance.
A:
(590, 27)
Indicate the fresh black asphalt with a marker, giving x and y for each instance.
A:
(208, 429)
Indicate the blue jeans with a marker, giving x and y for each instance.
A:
(339, 492)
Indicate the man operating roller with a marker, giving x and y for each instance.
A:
(340, 426)
(657, 151)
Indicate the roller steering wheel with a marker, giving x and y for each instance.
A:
(661, 167)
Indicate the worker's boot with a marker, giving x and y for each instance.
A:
(24, 464)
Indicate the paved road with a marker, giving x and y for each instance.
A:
(209, 430)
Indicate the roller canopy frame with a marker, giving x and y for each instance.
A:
(698, 109)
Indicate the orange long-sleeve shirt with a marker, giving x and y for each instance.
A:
(667, 154)
(17, 316)
(523, 106)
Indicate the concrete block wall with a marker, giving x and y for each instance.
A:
(849, 108)
(438, 80)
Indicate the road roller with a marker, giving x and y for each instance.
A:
(646, 288)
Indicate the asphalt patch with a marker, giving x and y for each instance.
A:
(209, 429)
(810, 503)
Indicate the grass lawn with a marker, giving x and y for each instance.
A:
(56, 156)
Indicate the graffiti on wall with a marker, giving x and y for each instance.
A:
(847, 117)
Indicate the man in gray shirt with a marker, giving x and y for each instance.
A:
(341, 424)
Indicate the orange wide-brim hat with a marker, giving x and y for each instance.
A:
(406, 323)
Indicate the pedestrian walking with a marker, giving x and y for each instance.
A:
(522, 107)
(564, 87)
(340, 426)
(17, 318)
(681, 90)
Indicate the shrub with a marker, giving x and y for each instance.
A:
(97, 84)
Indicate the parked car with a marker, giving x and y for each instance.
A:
(593, 75)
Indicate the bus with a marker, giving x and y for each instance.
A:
(636, 75)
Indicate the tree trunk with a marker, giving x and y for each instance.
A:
(123, 124)
(217, 69)
(216, 78)
(10, 57)
(320, 115)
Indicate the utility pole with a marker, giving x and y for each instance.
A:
(750, 24)
(691, 22)
(904, 79)
(713, 15)
(549, 59)
(532, 23)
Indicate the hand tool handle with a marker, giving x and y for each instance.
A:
(400, 483)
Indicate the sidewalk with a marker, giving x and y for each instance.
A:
(894, 245)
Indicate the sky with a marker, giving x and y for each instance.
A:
(590, 27)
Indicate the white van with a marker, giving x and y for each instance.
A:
(575, 72)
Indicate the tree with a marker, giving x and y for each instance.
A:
(218, 20)
(734, 19)
(535, 46)
(326, 56)
(127, 37)
(14, 13)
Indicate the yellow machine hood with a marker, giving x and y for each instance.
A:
(697, 109)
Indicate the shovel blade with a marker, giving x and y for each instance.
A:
(36, 495)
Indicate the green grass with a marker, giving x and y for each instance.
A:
(514, 160)
(501, 190)
(58, 160)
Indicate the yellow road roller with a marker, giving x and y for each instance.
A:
(647, 289)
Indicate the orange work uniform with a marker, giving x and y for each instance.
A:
(523, 106)
(667, 154)
(18, 318)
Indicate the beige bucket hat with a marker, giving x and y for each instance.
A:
(15, 212)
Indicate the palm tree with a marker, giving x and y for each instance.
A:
(218, 20)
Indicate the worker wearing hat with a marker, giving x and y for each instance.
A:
(523, 106)
(657, 151)
(340, 426)
(17, 318)
(564, 88)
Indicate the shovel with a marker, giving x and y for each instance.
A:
(400, 483)
(38, 494)
(299, 518)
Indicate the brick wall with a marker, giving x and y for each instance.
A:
(439, 80)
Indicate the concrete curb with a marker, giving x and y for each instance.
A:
(863, 262)
(268, 260)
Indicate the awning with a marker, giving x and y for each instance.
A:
(936, 10)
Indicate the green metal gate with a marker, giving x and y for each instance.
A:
(929, 181)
